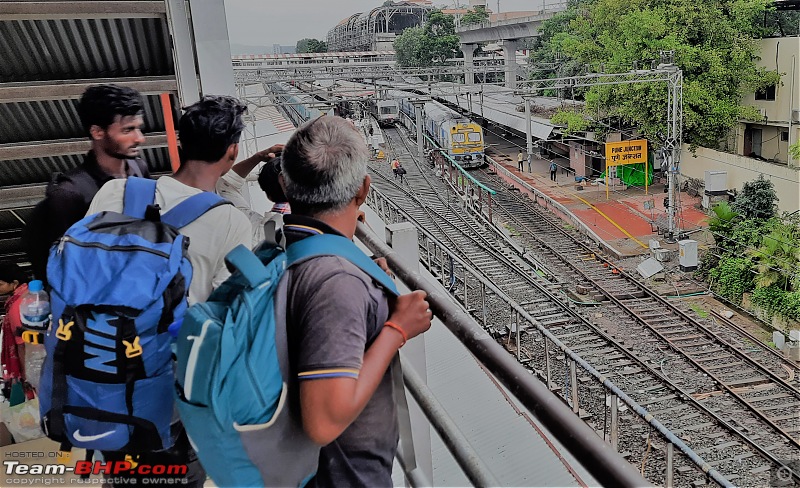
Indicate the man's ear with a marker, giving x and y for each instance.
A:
(96, 132)
(361, 196)
(233, 152)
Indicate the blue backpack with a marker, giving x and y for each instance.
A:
(233, 383)
(119, 281)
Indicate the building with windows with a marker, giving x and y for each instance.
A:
(769, 138)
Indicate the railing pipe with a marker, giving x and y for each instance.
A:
(456, 442)
(596, 456)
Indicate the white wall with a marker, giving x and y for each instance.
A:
(742, 169)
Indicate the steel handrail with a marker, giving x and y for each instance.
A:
(596, 456)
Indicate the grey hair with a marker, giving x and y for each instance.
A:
(324, 165)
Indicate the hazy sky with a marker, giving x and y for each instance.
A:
(268, 22)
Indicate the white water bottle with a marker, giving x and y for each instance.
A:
(34, 312)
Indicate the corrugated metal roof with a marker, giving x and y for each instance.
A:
(84, 48)
(39, 170)
(58, 119)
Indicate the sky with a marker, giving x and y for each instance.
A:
(268, 22)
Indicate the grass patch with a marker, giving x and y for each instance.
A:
(702, 313)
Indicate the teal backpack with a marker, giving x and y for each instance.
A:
(233, 369)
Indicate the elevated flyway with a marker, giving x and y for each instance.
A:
(516, 28)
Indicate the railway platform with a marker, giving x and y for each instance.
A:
(626, 220)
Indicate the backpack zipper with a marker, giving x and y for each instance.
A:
(62, 242)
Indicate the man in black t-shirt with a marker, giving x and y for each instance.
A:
(112, 117)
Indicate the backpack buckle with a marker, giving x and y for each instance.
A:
(132, 349)
(63, 331)
(32, 337)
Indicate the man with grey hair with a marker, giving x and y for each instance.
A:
(343, 330)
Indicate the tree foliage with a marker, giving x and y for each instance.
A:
(475, 16)
(715, 46)
(757, 199)
(433, 42)
(308, 45)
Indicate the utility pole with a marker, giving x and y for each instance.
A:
(528, 135)
(419, 107)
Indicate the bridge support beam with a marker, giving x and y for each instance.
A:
(469, 71)
(510, 55)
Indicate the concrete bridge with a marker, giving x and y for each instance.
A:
(506, 30)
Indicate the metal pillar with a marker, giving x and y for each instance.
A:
(469, 72)
(528, 134)
(419, 107)
(673, 144)
(510, 54)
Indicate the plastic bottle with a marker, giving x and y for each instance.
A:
(34, 312)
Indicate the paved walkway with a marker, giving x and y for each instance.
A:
(621, 219)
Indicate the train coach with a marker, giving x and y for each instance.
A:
(297, 105)
(461, 138)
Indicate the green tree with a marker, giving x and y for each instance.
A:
(794, 150)
(476, 16)
(308, 45)
(757, 199)
(435, 41)
(409, 48)
(721, 223)
(714, 43)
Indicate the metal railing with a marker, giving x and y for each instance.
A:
(558, 415)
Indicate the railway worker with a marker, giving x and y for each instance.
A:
(209, 131)
(112, 118)
(520, 159)
(553, 170)
(346, 330)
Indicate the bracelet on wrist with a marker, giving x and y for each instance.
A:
(399, 329)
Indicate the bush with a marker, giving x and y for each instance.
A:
(733, 278)
(777, 301)
(757, 199)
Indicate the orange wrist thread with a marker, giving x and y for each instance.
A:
(399, 329)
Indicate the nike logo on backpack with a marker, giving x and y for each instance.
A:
(89, 438)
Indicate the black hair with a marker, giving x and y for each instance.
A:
(101, 104)
(10, 271)
(208, 127)
(269, 182)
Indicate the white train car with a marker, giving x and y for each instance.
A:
(297, 105)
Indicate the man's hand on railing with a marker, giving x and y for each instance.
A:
(412, 313)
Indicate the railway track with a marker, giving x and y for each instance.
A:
(762, 383)
(731, 437)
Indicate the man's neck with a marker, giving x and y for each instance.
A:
(343, 221)
(198, 174)
(111, 165)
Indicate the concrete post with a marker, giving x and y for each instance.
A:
(528, 134)
(510, 54)
(213, 50)
(402, 237)
(469, 72)
(419, 106)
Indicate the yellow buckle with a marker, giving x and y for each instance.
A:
(129, 458)
(32, 337)
(132, 349)
(63, 331)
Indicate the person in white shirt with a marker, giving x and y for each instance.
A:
(231, 187)
(209, 132)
